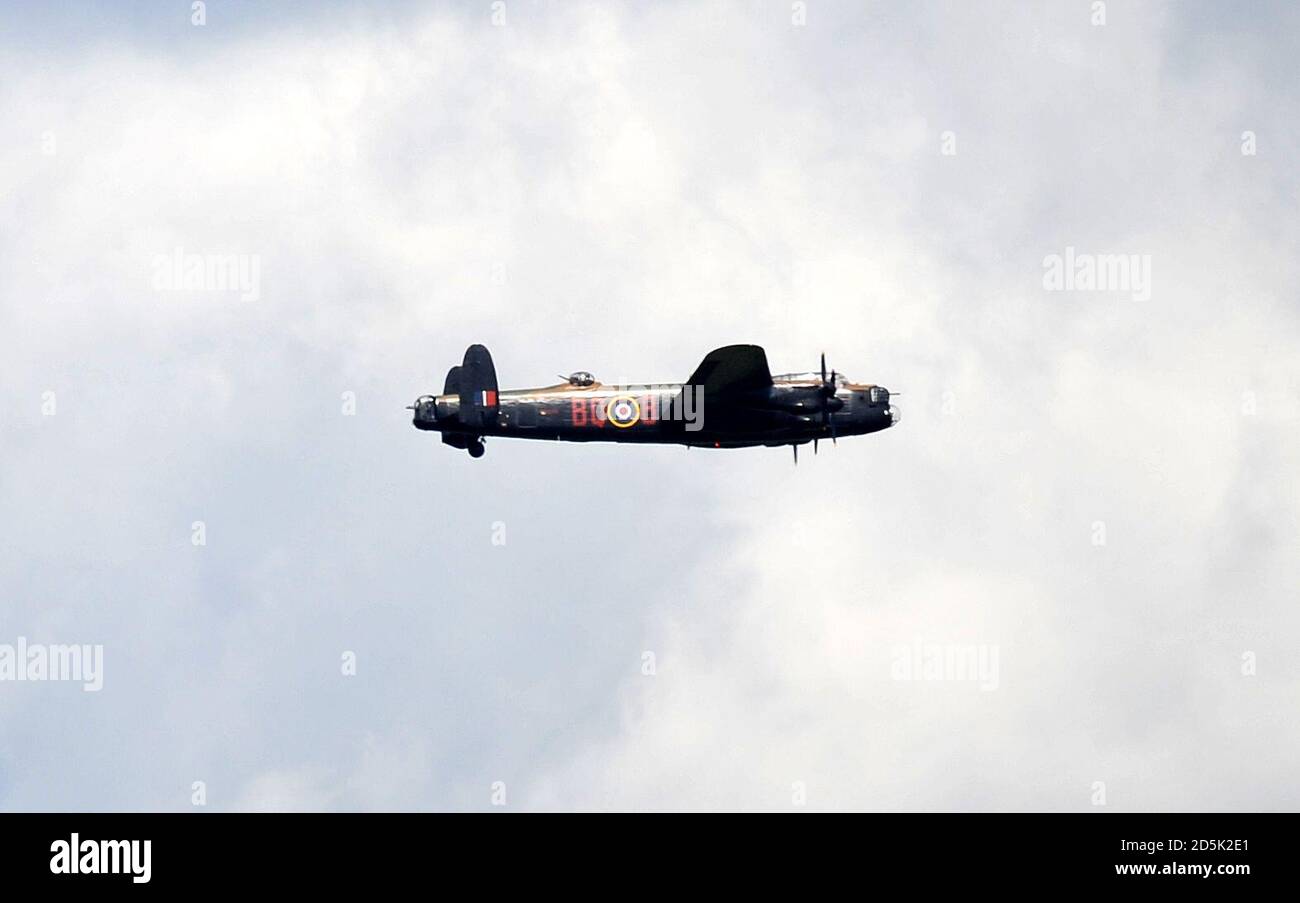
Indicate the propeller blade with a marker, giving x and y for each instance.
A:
(829, 389)
(814, 446)
(796, 453)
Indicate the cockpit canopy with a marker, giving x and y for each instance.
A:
(840, 379)
(581, 378)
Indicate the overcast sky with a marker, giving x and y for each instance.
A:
(1099, 491)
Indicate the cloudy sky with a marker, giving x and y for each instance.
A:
(1096, 492)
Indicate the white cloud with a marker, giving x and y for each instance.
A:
(621, 192)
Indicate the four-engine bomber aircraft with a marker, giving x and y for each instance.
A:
(730, 401)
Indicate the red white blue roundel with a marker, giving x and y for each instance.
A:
(623, 411)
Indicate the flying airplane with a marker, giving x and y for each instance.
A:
(731, 401)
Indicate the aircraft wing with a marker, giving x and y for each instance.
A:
(735, 368)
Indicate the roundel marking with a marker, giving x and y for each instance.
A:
(623, 411)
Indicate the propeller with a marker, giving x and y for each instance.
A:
(829, 402)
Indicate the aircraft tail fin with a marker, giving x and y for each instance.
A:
(476, 381)
(452, 384)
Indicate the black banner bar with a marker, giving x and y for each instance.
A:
(1176, 852)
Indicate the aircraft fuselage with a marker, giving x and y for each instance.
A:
(670, 413)
(731, 401)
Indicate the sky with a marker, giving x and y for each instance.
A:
(303, 603)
